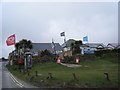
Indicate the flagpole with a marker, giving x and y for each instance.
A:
(65, 41)
(11, 41)
(63, 34)
(53, 46)
(87, 39)
(64, 38)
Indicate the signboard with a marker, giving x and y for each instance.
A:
(28, 60)
(89, 51)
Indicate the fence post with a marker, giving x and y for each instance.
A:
(74, 76)
(24, 72)
(106, 76)
(49, 76)
(20, 70)
(36, 73)
(28, 72)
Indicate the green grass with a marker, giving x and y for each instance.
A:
(92, 76)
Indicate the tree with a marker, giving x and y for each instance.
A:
(22, 46)
(45, 52)
(3, 59)
(17, 45)
(75, 47)
(25, 44)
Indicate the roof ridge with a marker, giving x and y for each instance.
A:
(95, 43)
(43, 43)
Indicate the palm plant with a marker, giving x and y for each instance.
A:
(23, 44)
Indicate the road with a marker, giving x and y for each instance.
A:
(10, 81)
(0, 75)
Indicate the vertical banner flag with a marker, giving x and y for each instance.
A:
(85, 39)
(62, 34)
(10, 40)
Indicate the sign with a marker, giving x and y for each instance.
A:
(28, 60)
(20, 60)
(89, 51)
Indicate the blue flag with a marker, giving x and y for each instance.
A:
(85, 38)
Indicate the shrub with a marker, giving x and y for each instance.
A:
(100, 53)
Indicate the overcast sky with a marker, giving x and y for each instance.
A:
(42, 21)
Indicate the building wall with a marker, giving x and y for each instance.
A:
(65, 53)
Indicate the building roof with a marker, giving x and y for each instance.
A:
(48, 46)
(114, 45)
(68, 43)
(84, 45)
(95, 45)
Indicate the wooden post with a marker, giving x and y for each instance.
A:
(36, 73)
(31, 79)
(24, 72)
(49, 76)
(74, 76)
(20, 70)
(28, 72)
(106, 76)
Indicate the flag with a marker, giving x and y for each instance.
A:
(10, 40)
(62, 34)
(85, 38)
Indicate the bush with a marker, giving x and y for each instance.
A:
(68, 59)
(100, 53)
(45, 52)
(44, 58)
(72, 59)
(47, 57)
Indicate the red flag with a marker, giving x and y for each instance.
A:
(10, 40)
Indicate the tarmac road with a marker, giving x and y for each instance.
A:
(10, 81)
(0, 75)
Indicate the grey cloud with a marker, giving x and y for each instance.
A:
(40, 22)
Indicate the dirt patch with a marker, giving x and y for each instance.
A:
(71, 65)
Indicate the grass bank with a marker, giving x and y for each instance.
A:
(87, 77)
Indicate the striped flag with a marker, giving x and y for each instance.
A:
(62, 34)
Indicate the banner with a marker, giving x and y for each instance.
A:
(89, 51)
(10, 40)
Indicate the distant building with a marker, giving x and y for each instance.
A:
(67, 46)
(96, 46)
(113, 45)
(91, 47)
(88, 46)
(49, 46)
